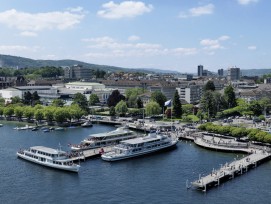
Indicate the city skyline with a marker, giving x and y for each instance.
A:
(175, 35)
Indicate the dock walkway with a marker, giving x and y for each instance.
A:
(223, 144)
(95, 152)
(230, 170)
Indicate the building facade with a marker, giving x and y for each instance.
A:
(200, 70)
(234, 74)
(77, 72)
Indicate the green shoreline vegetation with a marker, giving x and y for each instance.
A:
(238, 132)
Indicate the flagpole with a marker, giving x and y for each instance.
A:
(171, 114)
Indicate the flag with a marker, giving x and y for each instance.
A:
(168, 103)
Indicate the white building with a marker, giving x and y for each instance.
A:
(191, 93)
(84, 86)
(9, 93)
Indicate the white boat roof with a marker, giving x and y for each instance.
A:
(47, 150)
(140, 140)
(114, 132)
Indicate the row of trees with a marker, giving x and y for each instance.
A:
(132, 100)
(213, 102)
(253, 134)
(38, 112)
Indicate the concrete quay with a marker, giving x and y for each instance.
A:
(223, 144)
(230, 170)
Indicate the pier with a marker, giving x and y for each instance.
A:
(231, 170)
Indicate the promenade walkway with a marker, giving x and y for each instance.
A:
(230, 170)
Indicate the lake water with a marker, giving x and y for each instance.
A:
(158, 178)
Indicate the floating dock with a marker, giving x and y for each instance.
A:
(230, 170)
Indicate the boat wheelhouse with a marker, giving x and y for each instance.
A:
(104, 139)
(139, 146)
(49, 157)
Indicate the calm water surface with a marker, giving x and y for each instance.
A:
(158, 178)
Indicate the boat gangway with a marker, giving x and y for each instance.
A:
(231, 170)
(96, 152)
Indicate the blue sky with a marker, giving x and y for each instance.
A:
(166, 34)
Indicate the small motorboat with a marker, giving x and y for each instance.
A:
(34, 129)
(59, 129)
(87, 124)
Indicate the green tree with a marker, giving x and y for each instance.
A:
(8, 112)
(153, 108)
(81, 101)
(159, 97)
(60, 115)
(19, 112)
(139, 102)
(38, 114)
(207, 104)
(177, 106)
(209, 86)
(58, 102)
(187, 109)
(112, 111)
(76, 112)
(1, 110)
(121, 108)
(256, 108)
(15, 100)
(49, 113)
(114, 98)
(230, 96)
(2, 101)
(133, 91)
(27, 99)
(131, 101)
(93, 99)
(29, 112)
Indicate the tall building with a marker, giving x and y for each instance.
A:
(200, 70)
(234, 74)
(77, 72)
(220, 72)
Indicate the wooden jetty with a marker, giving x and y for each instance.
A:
(230, 170)
(96, 152)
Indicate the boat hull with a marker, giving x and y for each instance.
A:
(122, 157)
(74, 168)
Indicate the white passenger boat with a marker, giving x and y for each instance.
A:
(104, 139)
(49, 157)
(139, 146)
(1, 125)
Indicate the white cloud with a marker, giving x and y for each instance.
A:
(107, 47)
(8, 48)
(28, 34)
(185, 51)
(223, 38)
(126, 9)
(252, 47)
(76, 9)
(134, 38)
(39, 21)
(210, 44)
(198, 11)
(246, 2)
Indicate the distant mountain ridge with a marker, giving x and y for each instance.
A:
(22, 62)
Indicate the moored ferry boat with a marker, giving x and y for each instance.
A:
(49, 157)
(139, 146)
(104, 139)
